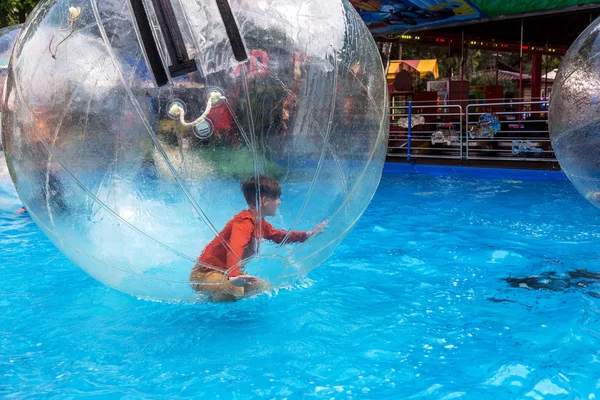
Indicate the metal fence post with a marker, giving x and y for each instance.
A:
(460, 128)
(467, 130)
(409, 130)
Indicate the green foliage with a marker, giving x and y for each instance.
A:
(420, 84)
(15, 11)
(552, 62)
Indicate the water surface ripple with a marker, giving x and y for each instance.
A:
(412, 305)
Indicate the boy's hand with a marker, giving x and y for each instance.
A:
(242, 280)
(319, 228)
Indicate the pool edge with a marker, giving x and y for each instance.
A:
(502, 173)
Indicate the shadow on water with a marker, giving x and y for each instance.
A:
(579, 279)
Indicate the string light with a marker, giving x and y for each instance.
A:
(491, 44)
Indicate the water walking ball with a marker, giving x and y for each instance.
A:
(573, 117)
(129, 126)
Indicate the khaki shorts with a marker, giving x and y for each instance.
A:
(215, 285)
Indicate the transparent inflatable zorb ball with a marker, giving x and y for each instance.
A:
(573, 117)
(129, 126)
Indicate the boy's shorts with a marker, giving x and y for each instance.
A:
(215, 285)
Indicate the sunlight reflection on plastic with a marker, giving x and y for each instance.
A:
(8, 37)
(131, 174)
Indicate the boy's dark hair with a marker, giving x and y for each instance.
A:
(264, 185)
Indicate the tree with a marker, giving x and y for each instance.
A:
(15, 11)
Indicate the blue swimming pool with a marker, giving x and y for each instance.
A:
(413, 303)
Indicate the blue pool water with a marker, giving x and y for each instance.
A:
(412, 304)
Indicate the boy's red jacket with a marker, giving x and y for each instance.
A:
(240, 234)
